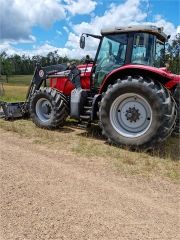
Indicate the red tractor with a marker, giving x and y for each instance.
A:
(125, 89)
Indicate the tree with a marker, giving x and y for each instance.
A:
(173, 55)
(5, 65)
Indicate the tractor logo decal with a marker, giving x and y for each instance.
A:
(41, 73)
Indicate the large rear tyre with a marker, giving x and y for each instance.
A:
(137, 112)
(48, 108)
(176, 96)
(177, 127)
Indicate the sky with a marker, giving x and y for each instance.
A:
(34, 27)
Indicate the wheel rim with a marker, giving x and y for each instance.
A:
(44, 110)
(131, 115)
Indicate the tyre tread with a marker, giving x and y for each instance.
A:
(59, 105)
(168, 110)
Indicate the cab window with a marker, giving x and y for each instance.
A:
(143, 49)
(111, 55)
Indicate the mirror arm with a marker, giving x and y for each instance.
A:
(92, 35)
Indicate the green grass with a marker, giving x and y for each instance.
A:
(16, 88)
(163, 161)
(14, 93)
(17, 80)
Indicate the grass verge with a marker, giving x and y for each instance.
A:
(17, 80)
(162, 161)
(14, 93)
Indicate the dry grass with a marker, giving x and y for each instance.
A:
(162, 161)
(14, 93)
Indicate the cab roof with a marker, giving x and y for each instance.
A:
(158, 31)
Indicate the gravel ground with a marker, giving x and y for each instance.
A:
(53, 194)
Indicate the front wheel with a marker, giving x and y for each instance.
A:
(48, 108)
(137, 112)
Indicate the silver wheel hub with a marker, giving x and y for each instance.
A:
(131, 115)
(44, 109)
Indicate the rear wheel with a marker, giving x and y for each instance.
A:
(131, 115)
(176, 96)
(137, 112)
(48, 108)
(177, 127)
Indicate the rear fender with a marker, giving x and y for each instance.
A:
(161, 75)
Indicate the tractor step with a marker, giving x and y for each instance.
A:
(85, 117)
(87, 107)
(89, 101)
(84, 125)
(88, 112)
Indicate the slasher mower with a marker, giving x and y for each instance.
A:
(126, 89)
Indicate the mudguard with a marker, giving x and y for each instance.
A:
(167, 78)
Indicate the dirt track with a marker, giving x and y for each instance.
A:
(50, 194)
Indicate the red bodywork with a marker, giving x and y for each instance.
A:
(170, 79)
(65, 85)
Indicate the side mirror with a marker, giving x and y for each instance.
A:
(82, 41)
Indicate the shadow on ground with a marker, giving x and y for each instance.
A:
(167, 150)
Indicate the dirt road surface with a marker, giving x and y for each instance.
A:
(53, 194)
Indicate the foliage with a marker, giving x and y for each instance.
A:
(23, 65)
(173, 55)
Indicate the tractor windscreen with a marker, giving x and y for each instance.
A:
(112, 54)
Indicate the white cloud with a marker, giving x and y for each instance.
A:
(66, 29)
(80, 6)
(122, 14)
(42, 50)
(178, 29)
(59, 32)
(129, 12)
(116, 15)
(17, 17)
(168, 27)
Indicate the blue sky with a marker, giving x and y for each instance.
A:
(37, 27)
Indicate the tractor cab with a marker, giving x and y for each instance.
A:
(137, 45)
